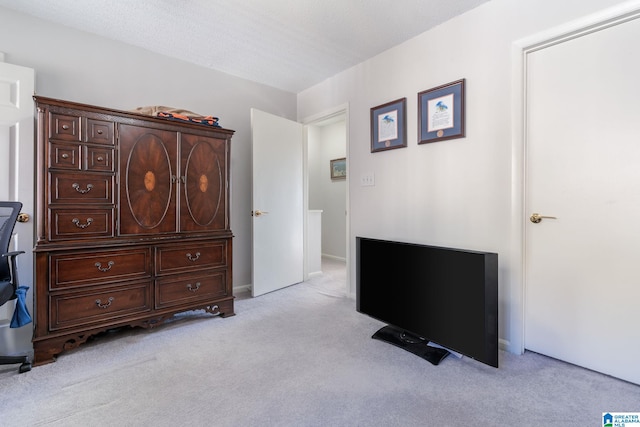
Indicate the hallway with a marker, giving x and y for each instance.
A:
(332, 280)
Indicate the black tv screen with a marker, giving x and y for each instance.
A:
(440, 295)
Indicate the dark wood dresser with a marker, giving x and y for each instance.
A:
(132, 222)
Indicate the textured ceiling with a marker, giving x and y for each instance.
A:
(287, 44)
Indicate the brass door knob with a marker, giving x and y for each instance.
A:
(536, 217)
(23, 217)
(259, 212)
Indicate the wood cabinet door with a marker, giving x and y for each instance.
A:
(203, 204)
(148, 178)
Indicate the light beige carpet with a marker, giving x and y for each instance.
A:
(302, 356)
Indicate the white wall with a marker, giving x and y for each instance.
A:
(327, 143)
(81, 67)
(455, 193)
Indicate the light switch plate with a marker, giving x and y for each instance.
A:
(367, 179)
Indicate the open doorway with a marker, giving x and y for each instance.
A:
(327, 195)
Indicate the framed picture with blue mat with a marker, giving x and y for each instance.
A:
(441, 113)
(389, 125)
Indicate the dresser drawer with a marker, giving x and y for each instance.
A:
(194, 256)
(189, 289)
(79, 269)
(69, 187)
(99, 159)
(81, 157)
(98, 305)
(65, 127)
(99, 132)
(65, 156)
(69, 224)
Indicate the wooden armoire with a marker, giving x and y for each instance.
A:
(132, 222)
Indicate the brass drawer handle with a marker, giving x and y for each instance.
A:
(76, 221)
(106, 305)
(193, 258)
(65, 127)
(76, 187)
(193, 289)
(65, 156)
(103, 269)
(100, 158)
(99, 131)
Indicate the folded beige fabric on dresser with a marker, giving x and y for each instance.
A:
(153, 110)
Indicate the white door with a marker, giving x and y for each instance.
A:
(16, 184)
(582, 269)
(278, 210)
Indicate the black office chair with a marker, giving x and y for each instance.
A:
(10, 288)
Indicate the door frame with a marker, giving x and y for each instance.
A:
(519, 53)
(340, 110)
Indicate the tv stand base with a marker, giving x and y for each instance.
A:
(411, 343)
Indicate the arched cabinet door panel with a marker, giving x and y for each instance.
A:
(148, 177)
(203, 204)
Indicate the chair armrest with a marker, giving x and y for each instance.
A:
(12, 265)
(14, 253)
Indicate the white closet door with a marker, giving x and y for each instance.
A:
(582, 274)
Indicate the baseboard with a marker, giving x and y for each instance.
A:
(240, 289)
(333, 257)
(505, 345)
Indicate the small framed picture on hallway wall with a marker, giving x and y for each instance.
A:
(338, 168)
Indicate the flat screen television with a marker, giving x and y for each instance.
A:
(430, 295)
